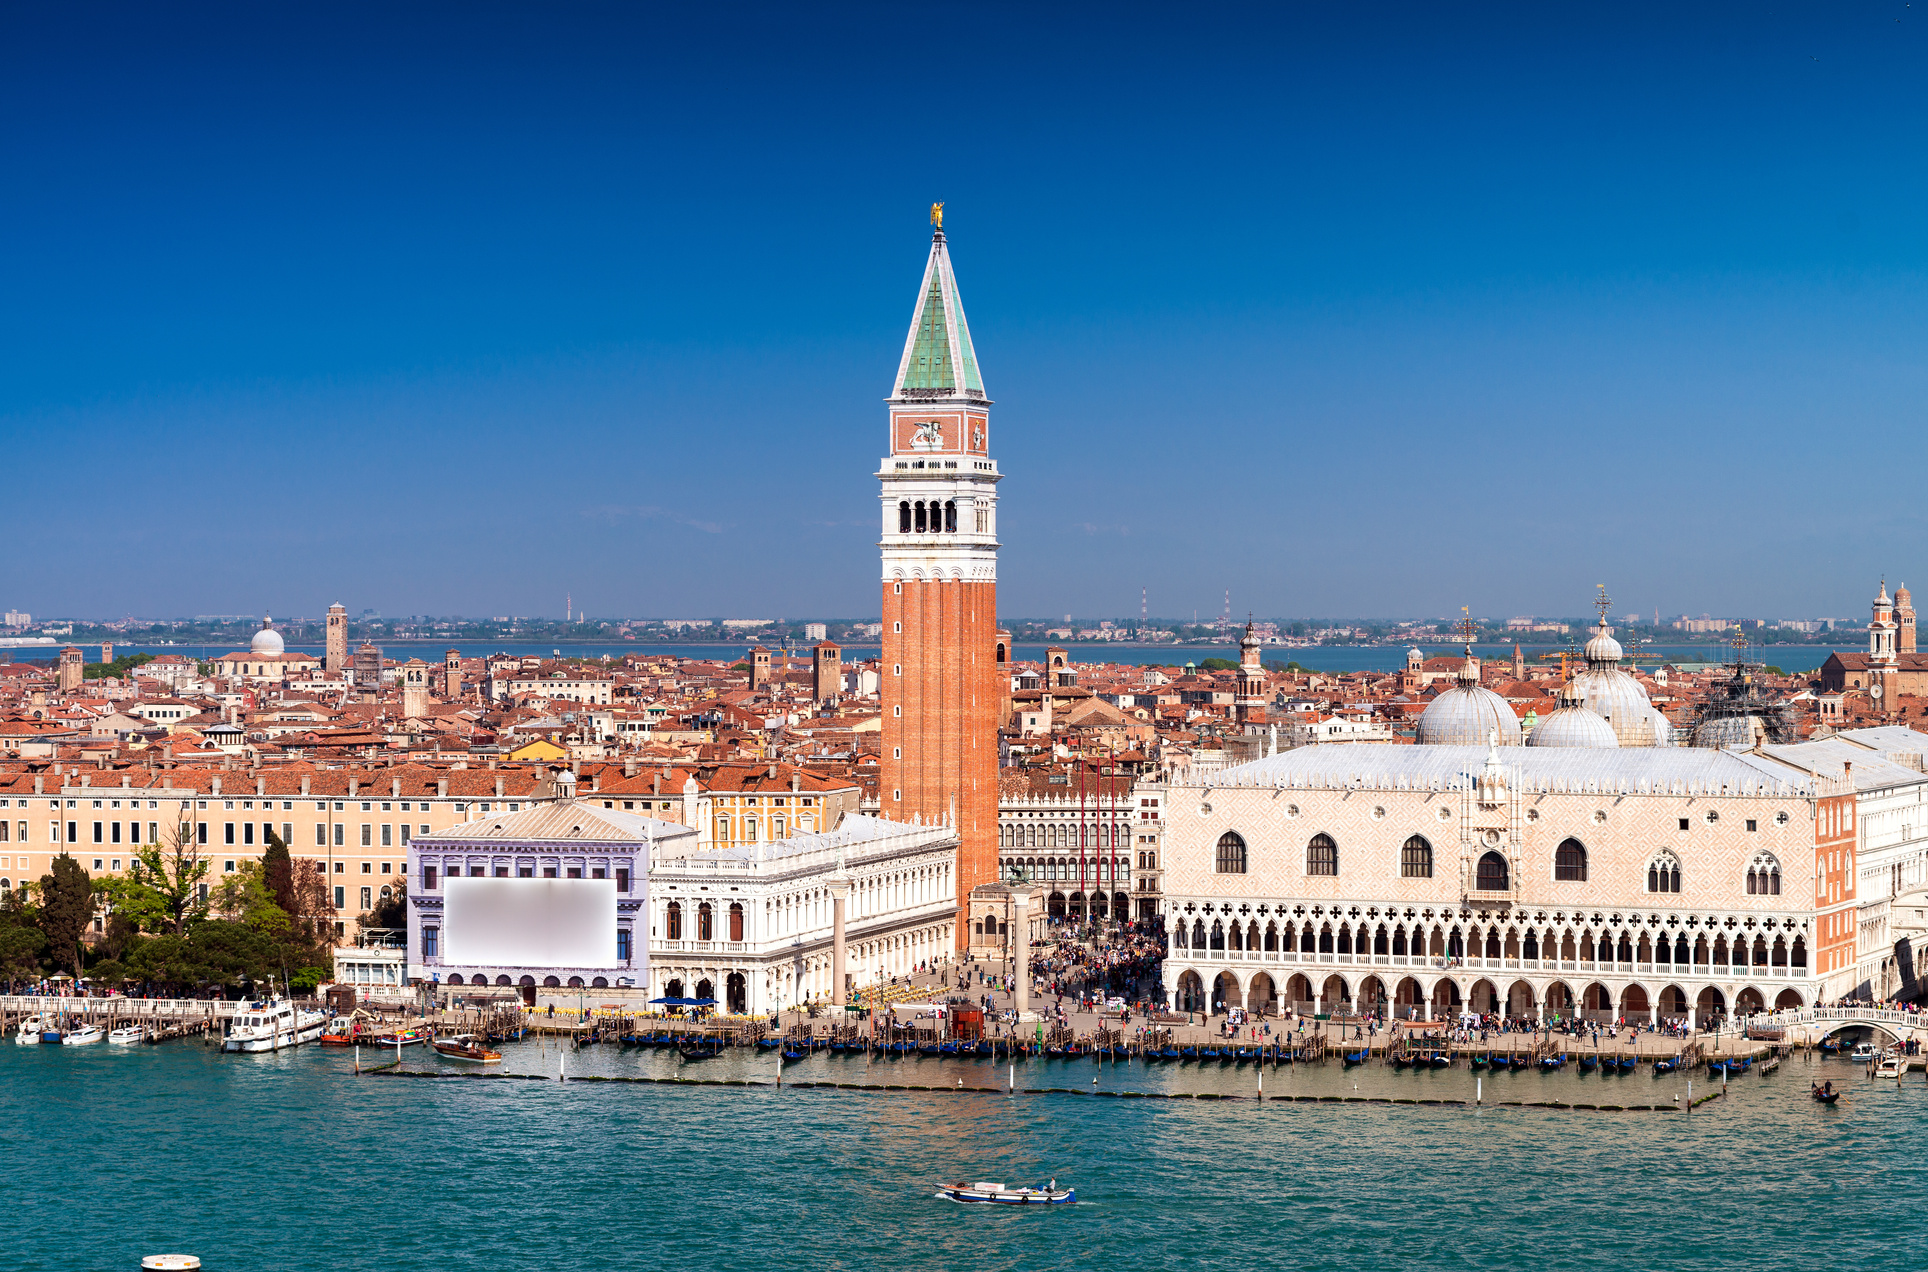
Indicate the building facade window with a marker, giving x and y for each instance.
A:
(1570, 861)
(1322, 856)
(1416, 859)
(1493, 875)
(1663, 874)
(1231, 853)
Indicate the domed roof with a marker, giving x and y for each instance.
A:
(1603, 648)
(1573, 725)
(1467, 716)
(267, 641)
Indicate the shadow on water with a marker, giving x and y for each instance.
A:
(291, 1162)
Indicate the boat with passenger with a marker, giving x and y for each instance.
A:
(272, 1024)
(411, 1036)
(84, 1036)
(1890, 1067)
(125, 1036)
(998, 1194)
(29, 1032)
(1864, 1053)
(465, 1048)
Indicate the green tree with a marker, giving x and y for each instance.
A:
(21, 940)
(243, 899)
(66, 904)
(278, 873)
(162, 890)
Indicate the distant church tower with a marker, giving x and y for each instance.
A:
(1904, 621)
(1249, 701)
(1881, 650)
(335, 654)
(939, 547)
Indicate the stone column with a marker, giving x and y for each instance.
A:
(1021, 947)
(839, 893)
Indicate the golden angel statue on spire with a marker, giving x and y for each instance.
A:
(937, 215)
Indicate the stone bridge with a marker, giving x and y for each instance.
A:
(1809, 1025)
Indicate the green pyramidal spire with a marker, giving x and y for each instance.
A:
(938, 358)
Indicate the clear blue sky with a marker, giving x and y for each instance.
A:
(1354, 310)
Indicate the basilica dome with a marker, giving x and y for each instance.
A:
(267, 641)
(1610, 691)
(1467, 715)
(1573, 725)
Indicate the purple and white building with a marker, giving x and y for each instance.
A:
(556, 897)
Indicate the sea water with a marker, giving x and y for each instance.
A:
(291, 1161)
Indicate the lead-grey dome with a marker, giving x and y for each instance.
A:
(1573, 725)
(1610, 692)
(267, 641)
(1467, 715)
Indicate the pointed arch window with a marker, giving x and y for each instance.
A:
(1416, 859)
(1764, 876)
(1663, 873)
(1493, 875)
(1570, 861)
(1321, 856)
(1231, 853)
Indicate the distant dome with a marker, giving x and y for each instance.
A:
(267, 641)
(1573, 725)
(1467, 716)
(1610, 692)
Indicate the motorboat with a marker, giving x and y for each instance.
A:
(347, 1031)
(270, 1025)
(126, 1036)
(1864, 1053)
(1049, 1195)
(465, 1048)
(412, 1036)
(29, 1032)
(1890, 1067)
(84, 1036)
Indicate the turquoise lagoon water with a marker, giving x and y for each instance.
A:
(291, 1162)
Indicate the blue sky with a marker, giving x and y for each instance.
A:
(1351, 309)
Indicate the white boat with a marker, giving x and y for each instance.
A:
(272, 1025)
(29, 1034)
(126, 1036)
(1890, 1067)
(84, 1036)
(1864, 1052)
(1049, 1195)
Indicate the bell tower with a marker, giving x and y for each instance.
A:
(939, 549)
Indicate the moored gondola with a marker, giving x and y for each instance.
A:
(1589, 1063)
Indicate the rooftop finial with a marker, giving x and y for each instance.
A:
(937, 217)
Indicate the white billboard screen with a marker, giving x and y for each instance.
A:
(529, 922)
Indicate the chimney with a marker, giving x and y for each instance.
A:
(351, 787)
(394, 787)
(655, 785)
(796, 781)
(126, 781)
(498, 788)
(595, 780)
(773, 770)
(167, 783)
(629, 766)
(304, 785)
(442, 787)
(39, 784)
(260, 786)
(217, 786)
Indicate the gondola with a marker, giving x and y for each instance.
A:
(1628, 1064)
(929, 1049)
(768, 1044)
(947, 1048)
(1823, 1097)
(791, 1055)
(1355, 1057)
(1515, 1062)
(1188, 1053)
(1589, 1063)
(1480, 1062)
(1549, 1063)
(1663, 1066)
(1829, 1047)
(690, 1051)
(1441, 1060)
(1401, 1061)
